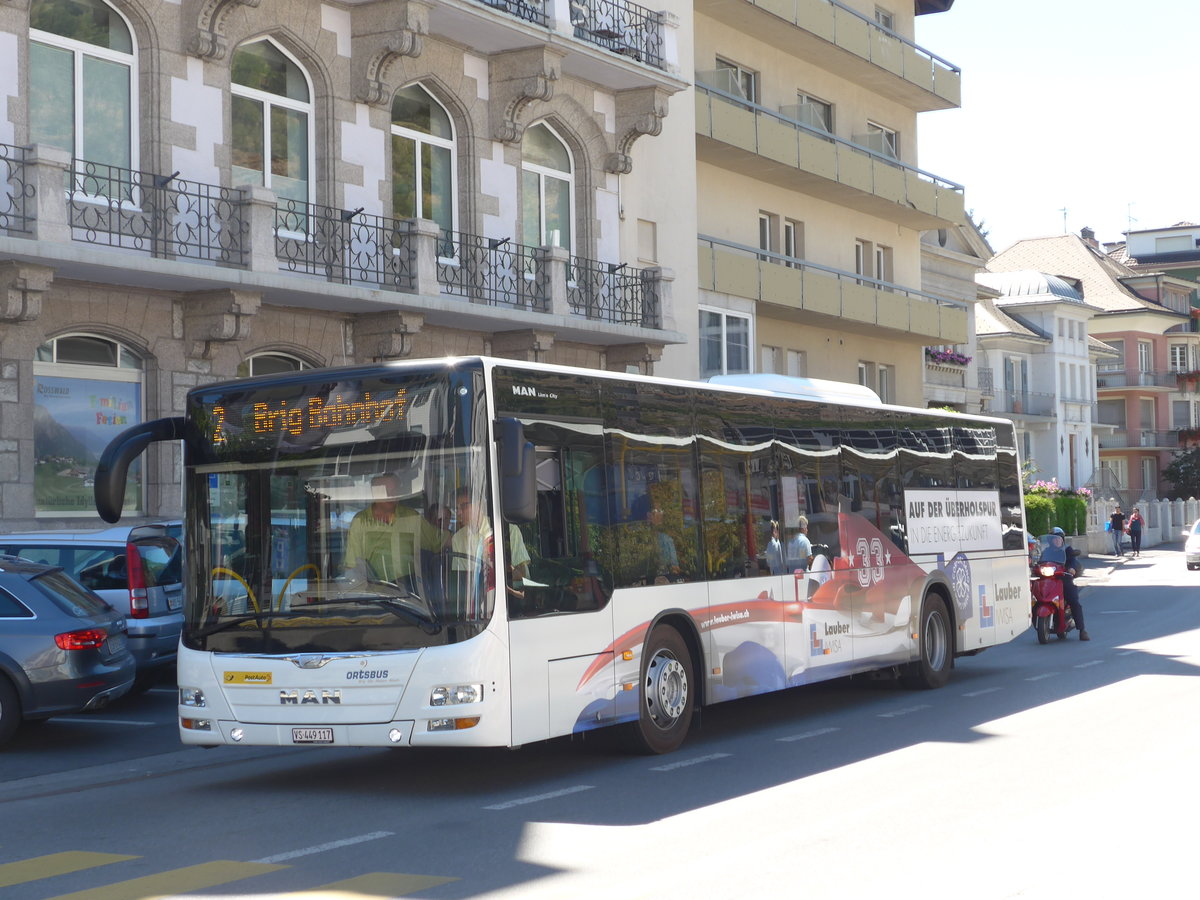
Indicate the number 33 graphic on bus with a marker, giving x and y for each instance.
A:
(870, 554)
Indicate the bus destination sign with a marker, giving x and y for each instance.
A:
(294, 418)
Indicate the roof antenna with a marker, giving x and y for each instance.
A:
(1064, 212)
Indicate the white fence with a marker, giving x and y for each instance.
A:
(1166, 520)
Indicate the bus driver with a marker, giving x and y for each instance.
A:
(383, 539)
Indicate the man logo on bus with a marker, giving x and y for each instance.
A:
(986, 610)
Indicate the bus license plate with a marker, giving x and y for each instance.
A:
(312, 735)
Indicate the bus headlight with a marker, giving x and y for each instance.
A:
(453, 724)
(456, 694)
(191, 697)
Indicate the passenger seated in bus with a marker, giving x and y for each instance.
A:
(469, 547)
(774, 551)
(799, 549)
(383, 539)
(668, 557)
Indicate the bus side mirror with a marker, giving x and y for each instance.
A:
(122, 450)
(518, 472)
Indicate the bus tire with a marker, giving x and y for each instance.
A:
(935, 647)
(10, 710)
(668, 693)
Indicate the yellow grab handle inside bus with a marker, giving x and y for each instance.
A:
(221, 570)
(283, 593)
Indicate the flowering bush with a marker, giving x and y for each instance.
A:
(1048, 503)
(946, 356)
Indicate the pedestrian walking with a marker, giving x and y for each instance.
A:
(1135, 531)
(1116, 529)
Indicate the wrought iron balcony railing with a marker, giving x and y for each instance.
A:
(492, 271)
(527, 10)
(344, 246)
(625, 28)
(16, 191)
(611, 293)
(251, 228)
(163, 215)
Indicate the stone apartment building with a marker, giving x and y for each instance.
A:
(199, 189)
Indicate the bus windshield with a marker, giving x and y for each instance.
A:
(339, 517)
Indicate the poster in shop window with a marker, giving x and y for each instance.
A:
(73, 421)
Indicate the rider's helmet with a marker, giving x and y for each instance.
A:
(1058, 531)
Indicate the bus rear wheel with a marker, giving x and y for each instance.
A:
(668, 695)
(932, 667)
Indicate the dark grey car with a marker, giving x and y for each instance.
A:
(138, 570)
(63, 649)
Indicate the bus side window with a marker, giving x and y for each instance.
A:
(565, 571)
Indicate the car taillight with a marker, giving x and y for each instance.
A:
(84, 639)
(139, 597)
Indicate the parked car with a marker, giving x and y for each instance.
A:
(1191, 548)
(138, 570)
(63, 649)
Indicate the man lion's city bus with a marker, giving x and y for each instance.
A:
(631, 576)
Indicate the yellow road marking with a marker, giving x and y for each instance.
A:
(54, 864)
(379, 884)
(175, 881)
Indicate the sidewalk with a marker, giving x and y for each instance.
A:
(1101, 565)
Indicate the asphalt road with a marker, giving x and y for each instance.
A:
(1062, 770)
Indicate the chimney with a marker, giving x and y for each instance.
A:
(1089, 237)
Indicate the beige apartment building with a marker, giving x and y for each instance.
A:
(811, 204)
(196, 189)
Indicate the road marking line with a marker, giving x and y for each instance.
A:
(1094, 662)
(1043, 675)
(509, 804)
(175, 881)
(1128, 652)
(88, 720)
(55, 864)
(321, 848)
(1117, 612)
(384, 884)
(688, 762)
(982, 692)
(809, 734)
(903, 712)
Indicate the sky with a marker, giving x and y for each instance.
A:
(1077, 105)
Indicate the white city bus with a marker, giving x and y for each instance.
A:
(632, 578)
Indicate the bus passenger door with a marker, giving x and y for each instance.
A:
(560, 619)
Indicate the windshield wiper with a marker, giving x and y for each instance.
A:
(424, 620)
(229, 623)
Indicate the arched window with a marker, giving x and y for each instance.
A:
(422, 158)
(547, 188)
(81, 90)
(270, 364)
(271, 113)
(87, 390)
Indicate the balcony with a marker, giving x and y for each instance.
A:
(847, 43)
(1157, 440)
(768, 146)
(1007, 402)
(616, 44)
(1119, 378)
(793, 288)
(121, 226)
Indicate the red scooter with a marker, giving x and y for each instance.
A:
(1050, 612)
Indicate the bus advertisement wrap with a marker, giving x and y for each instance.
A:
(948, 521)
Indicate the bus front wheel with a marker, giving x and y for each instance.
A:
(668, 694)
(936, 647)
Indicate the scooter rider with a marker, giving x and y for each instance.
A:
(1070, 591)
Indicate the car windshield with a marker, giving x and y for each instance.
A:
(366, 540)
(1196, 527)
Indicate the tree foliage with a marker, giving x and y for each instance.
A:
(1184, 473)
